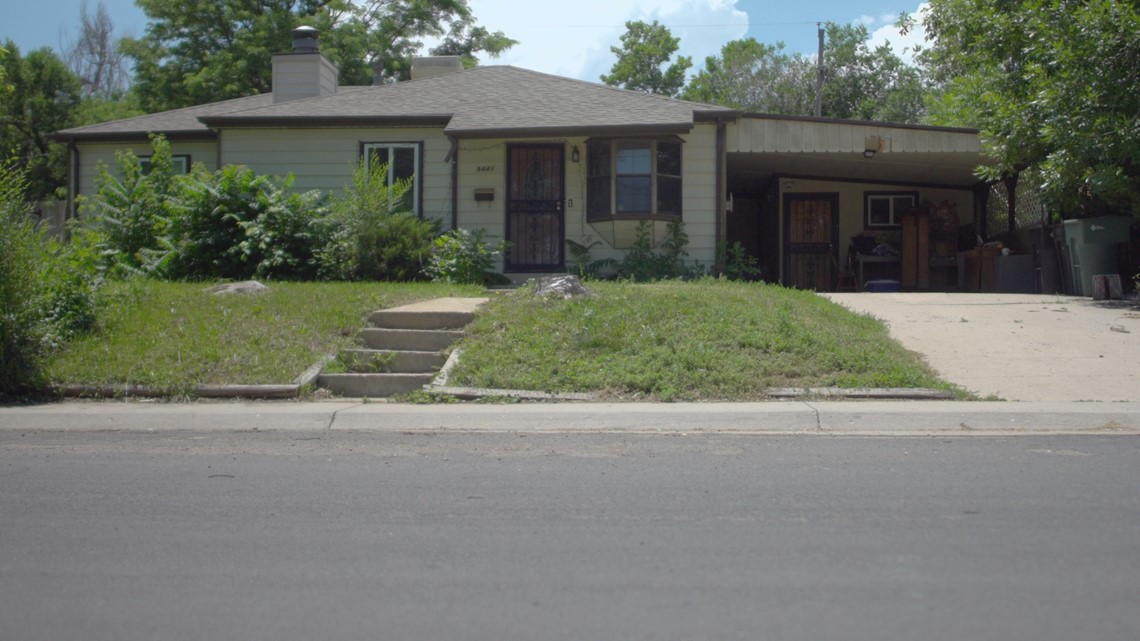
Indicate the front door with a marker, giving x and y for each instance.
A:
(535, 218)
(811, 232)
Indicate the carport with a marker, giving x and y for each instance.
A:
(800, 189)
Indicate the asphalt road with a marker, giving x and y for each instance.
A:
(296, 535)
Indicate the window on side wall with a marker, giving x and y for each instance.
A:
(402, 160)
(633, 178)
(884, 209)
(179, 163)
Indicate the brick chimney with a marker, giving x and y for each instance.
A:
(303, 73)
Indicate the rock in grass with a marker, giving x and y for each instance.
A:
(563, 286)
(244, 287)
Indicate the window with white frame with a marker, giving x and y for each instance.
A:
(633, 178)
(180, 164)
(884, 209)
(402, 160)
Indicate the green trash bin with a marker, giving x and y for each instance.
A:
(1092, 244)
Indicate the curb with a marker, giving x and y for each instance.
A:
(784, 418)
(307, 379)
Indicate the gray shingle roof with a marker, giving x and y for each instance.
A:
(178, 121)
(483, 101)
(488, 101)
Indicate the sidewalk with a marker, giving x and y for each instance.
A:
(942, 418)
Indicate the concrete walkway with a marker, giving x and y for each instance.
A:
(1017, 347)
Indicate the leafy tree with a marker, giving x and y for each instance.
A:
(645, 48)
(4, 86)
(43, 98)
(465, 39)
(1052, 85)
(199, 51)
(859, 82)
(753, 76)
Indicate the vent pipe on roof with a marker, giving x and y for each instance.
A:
(305, 40)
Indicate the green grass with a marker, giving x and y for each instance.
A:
(173, 336)
(669, 341)
(682, 341)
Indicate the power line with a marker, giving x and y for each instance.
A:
(674, 26)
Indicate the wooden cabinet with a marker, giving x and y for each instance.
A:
(915, 250)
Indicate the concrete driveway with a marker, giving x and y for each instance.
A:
(1017, 347)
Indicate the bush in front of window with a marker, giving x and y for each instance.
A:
(131, 209)
(461, 256)
(642, 263)
(369, 238)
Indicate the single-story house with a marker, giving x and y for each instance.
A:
(537, 159)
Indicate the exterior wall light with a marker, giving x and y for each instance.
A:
(574, 155)
(871, 146)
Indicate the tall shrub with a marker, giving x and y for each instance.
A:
(236, 224)
(20, 289)
(131, 208)
(369, 238)
(46, 289)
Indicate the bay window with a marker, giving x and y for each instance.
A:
(633, 179)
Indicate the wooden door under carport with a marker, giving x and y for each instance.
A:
(811, 236)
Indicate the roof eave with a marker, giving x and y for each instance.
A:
(573, 131)
(204, 135)
(320, 122)
(715, 115)
(872, 123)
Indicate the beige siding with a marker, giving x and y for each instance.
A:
(768, 135)
(700, 208)
(94, 156)
(324, 159)
(482, 165)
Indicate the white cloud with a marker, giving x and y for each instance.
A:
(573, 39)
(903, 45)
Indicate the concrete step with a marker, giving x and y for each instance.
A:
(412, 340)
(412, 319)
(392, 361)
(373, 385)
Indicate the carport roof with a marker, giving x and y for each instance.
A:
(761, 146)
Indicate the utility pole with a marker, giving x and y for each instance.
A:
(819, 74)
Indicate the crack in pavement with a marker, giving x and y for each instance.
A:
(818, 423)
(332, 419)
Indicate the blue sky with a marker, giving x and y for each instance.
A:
(566, 38)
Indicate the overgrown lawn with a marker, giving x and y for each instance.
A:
(682, 341)
(176, 335)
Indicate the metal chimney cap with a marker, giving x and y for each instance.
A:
(305, 40)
